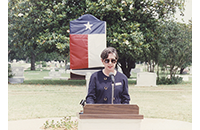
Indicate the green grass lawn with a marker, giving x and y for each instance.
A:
(40, 101)
(37, 98)
(165, 101)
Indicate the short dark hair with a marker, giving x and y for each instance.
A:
(107, 51)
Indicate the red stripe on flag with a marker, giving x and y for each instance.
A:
(78, 51)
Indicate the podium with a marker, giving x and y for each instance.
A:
(110, 117)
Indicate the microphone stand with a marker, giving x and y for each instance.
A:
(113, 87)
(111, 75)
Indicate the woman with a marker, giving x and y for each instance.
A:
(100, 85)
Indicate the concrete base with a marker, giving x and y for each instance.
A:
(16, 80)
(165, 124)
(109, 124)
(64, 78)
(48, 78)
(146, 124)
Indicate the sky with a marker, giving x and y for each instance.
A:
(187, 13)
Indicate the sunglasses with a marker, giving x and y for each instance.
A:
(108, 61)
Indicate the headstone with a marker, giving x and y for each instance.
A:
(48, 65)
(36, 67)
(146, 79)
(84, 49)
(18, 71)
(56, 64)
(40, 65)
(191, 70)
(21, 62)
(62, 71)
(185, 71)
(185, 77)
(62, 64)
(14, 60)
(18, 75)
(67, 66)
(136, 70)
(55, 74)
(52, 70)
(52, 62)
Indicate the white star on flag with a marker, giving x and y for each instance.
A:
(88, 26)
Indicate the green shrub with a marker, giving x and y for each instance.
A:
(177, 80)
(43, 63)
(66, 123)
(56, 82)
(166, 80)
(10, 75)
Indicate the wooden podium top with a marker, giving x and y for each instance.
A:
(110, 111)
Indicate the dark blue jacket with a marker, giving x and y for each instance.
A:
(100, 89)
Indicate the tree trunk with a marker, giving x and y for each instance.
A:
(158, 72)
(181, 71)
(27, 59)
(126, 66)
(126, 71)
(32, 61)
(171, 72)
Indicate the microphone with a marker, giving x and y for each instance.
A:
(111, 75)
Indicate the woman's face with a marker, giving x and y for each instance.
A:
(110, 62)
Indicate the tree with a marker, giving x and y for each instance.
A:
(175, 45)
(131, 26)
(187, 39)
(41, 26)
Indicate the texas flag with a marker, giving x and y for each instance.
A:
(87, 41)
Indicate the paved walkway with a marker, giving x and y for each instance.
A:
(147, 124)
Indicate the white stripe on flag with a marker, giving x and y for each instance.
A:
(96, 44)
